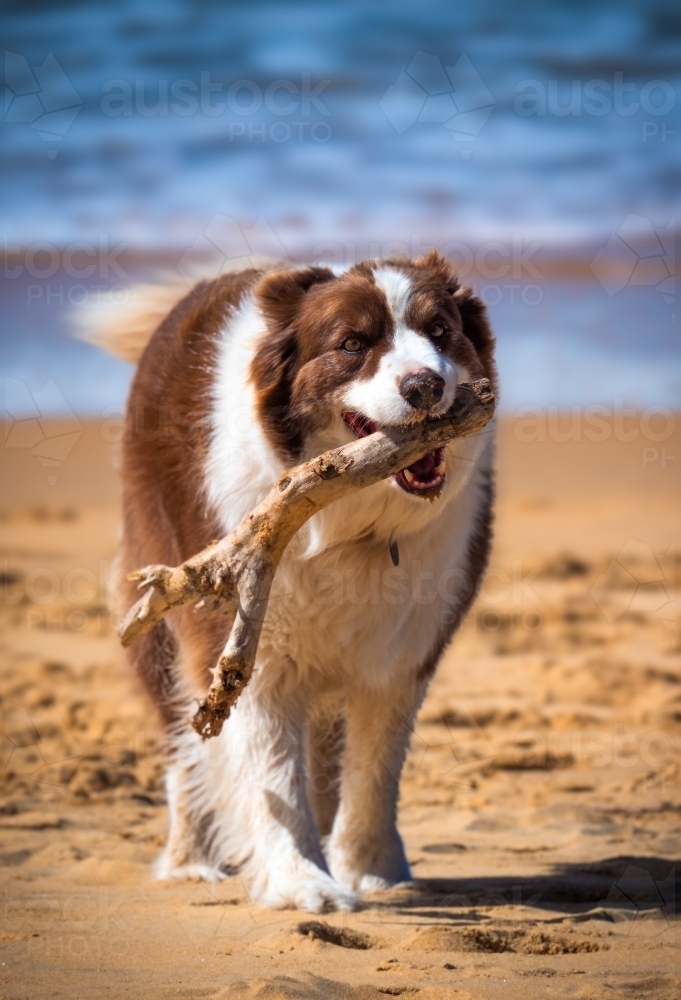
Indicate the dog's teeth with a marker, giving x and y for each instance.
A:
(408, 476)
(441, 468)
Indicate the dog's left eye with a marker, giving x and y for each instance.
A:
(436, 331)
(352, 345)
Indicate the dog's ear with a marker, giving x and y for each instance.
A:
(477, 330)
(273, 369)
(280, 294)
(473, 312)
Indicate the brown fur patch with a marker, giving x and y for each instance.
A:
(439, 299)
(301, 363)
(280, 296)
(166, 441)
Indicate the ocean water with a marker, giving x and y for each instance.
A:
(345, 129)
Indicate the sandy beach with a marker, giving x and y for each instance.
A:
(541, 803)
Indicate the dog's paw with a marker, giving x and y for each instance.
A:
(300, 884)
(165, 868)
(367, 866)
(374, 883)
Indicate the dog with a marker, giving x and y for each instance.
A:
(245, 376)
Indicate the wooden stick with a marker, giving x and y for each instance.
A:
(239, 569)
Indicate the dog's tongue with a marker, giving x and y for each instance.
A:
(425, 467)
(425, 471)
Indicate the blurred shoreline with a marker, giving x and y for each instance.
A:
(553, 263)
(571, 330)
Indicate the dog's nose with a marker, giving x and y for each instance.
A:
(422, 389)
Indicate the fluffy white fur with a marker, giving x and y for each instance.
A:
(345, 632)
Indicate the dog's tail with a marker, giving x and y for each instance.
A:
(125, 328)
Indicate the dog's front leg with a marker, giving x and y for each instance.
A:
(365, 851)
(267, 804)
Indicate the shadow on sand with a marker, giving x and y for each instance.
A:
(611, 889)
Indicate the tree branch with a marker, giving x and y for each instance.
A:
(239, 569)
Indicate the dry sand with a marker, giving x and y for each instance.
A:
(541, 804)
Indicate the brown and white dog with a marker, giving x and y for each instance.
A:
(247, 375)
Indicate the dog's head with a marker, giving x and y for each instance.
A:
(383, 343)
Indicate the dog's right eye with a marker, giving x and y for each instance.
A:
(352, 345)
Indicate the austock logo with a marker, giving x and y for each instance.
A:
(447, 757)
(38, 745)
(27, 424)
(647, 904)
(209, 914)
(40, 96)
(226, 245)
(641, 584)
(428, 92)
(639, 253)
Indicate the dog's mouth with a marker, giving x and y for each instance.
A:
(423, 478)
